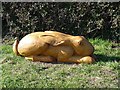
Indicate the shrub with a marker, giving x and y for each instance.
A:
(88, 19)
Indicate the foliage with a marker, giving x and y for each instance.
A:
(20, 73)
(91, 19)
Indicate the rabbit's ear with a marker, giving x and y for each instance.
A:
(58, 43)
(52, 40)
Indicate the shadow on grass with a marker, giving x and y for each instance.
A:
(105, 58)
(99, 58)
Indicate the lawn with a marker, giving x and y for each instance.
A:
(20, 73)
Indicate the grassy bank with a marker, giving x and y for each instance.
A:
(18, 72)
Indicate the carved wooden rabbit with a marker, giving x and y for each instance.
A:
(50, 46)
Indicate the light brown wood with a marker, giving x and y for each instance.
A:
(60, 46)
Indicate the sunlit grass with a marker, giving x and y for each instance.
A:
(18, 72)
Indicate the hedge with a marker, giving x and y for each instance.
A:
(91, 19)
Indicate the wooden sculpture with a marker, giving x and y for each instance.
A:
(51, 46)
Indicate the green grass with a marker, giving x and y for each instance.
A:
(18, 72)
